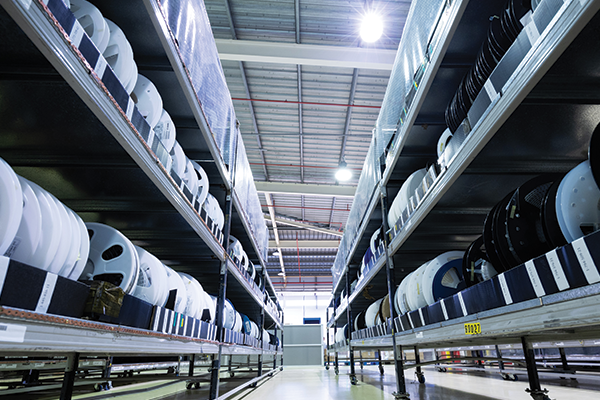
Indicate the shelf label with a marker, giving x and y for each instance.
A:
(490, 89)
(473, 328)
(559, 275)
(77, 34)
(12, 333)
(535, 279)
(532, 33)
(505, 291)
(26, 4)
(586, 261)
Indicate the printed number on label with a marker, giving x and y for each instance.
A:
(472, 329)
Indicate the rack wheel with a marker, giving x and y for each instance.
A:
(381, 371)
(327, 367)
(253, 385)
(421, 378)
(189, 385)
(337, 371)
(353, 380)
(100, 387)
(170, 370)
(232, 374)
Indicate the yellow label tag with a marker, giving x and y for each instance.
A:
(473, 328)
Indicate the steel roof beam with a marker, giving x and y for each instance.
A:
(305, 244)
(305, 54)
(305, 189)
(303, 225)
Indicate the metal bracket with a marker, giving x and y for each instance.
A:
(541, 394)
(401, 396)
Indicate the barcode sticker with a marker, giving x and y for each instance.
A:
(586, 261)
(559, 275)
(535, 279)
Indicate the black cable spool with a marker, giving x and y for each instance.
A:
(507, 260)
(471, 264)
(548, 217)
(488, 241)
(594, 154)
(523, 224)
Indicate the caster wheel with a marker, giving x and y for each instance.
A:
(514, 377)
(253, 385)
(505, 377)
(353, 380)
(421, 379)
(232, 374)
(189, 386)
(381, 371)
(337, 371)
(327, 367)
(197, 385)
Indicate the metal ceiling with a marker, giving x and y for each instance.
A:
(303, 119)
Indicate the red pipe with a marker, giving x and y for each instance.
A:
(299, 166)
(306, 102)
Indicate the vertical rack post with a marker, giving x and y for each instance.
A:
(275, 356)
(281, 343)
(563, 359)
(381, 370)
(534, 390)
(499, 355)
(400, 393)
(349, 326)
(327, 338)
(66, 392)
(418, 370)
(192, 361)
(336, 367)
(261, 325)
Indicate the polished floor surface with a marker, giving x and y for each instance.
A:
(316, 383)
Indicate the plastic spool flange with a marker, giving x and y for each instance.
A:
(119, 55)
(414, 289)
(11, 205)
(443, 142)
(229, 315)
(112, 257)
(406, 191)
(148, 100)
(93, 23)
(50, 229)
(237, 326)
(190, 177)
(523, 224)
(64, 245)
(175, 282)
(375, 240)
(372, 316)
(443, 276)
(498, 230)
(577, 202)
(179, 159)
(359, 321)
(75, 244)
(473, 261)
(84, 250)
(203, 183)
(400, 298)
(29, 233)
(151, 285)
(165, 130)
(195, 296)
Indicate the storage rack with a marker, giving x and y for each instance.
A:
(537, 119)
(64, 127)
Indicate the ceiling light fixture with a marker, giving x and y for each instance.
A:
(371, 27)
(343, 173)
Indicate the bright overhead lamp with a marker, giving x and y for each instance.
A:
(281, 274)
(371, 27)
(275, 254)
(343, 173)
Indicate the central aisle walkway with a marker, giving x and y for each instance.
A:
(316, 383)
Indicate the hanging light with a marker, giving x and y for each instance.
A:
(371, 27)
(343, 173)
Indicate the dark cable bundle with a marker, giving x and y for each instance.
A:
(502, 32)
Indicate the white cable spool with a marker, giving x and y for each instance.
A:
(112, 257)
(401, 299)
(11, 205)
(402, 200)
(51, 228)
(147, 99)
(73, 254)
(92, 21)
(179, 160)
(235, 247)
(203, 183)
(265, 336)
(84, 250)
(190, 177)
(372, 316)
(194, 296)
(251, 270)
(255, 332)
(443, 142)
(213, 306)
(151, 285)
(374, 242)
(165, 130)
(65, 238)
(238, 324)
(213, 209)
(440, 273)
(228, 315)
(174, 282)
(207, 313)
(119, 55)
(414, 289)
(577, 202)
(28, 236)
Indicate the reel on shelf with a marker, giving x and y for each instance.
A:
(92, 22)
(112, 257)
(229, 315)
(402, 199)
(119, 55)
(179, 160)
(375, 241)
(175, 283)
(190, 177)
(400, 298)
(373, 315)
(147, 99)
(29, 232)
(213, 209)
(151, 285)
(203, 183)
(443, 142)
(194, 296)
(359, 321)
(414, 289)
(442, 277)
(64, 245)
(51, 229)
(165, 130)
(476, 266)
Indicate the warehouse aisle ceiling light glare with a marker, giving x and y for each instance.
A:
(343, 173)
(371, 27)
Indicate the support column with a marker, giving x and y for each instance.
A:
(361, 359)
(563, 359)
(281, 347)
(418, 371)
(66, 392)
(381, 370)
(499, 355)
(350, 326)
(535, 390)
(275, 356)
(192, 361)
(261, 325)
(400, 393)
(216, 364)
(327, 338)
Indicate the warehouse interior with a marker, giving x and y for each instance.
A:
(299, 198)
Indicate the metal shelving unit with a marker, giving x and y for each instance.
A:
(84, 144)
(533, 124)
